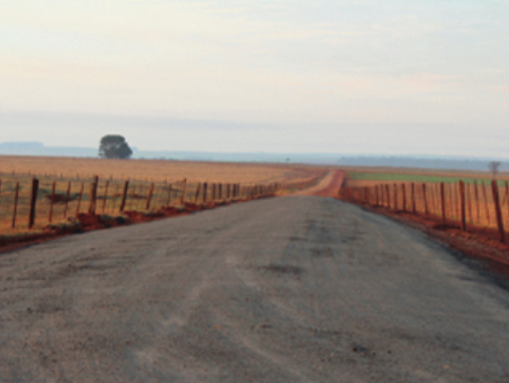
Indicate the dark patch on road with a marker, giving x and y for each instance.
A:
(283, 269)
(325, 252)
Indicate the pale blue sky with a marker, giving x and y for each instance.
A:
(364, 76)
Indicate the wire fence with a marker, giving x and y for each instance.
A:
(466, 204)
(31, 202)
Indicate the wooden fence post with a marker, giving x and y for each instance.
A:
(450, 205)
(403, 193)
(412, 196)
(149, 197)
(228, 187)
(476, 196)
(205, 186)
(447, 198)
(449, 202)
(52, 202)
(485, 197)
(105, 198)
(454, 202)
(124, 196)
(93, 196)
(388, 195)
(468, 199)
(67, 197)
(433, 200)
(425, 200)
(220, 191)
(442, 198)
(15, 211)
(462, 205)
(435, 191)
(496, 200)
(183, 194)
(507, 188)
(457, 201)
(395, 187)
(33, 202)
(506, 196)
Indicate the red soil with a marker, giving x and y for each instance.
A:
(332, 190)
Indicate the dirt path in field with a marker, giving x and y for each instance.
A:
(291, 289)
(327, 187)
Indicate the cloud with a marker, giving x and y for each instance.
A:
(283, 62)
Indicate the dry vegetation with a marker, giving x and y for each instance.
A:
(364, 176)
(155, 170)
(71, 177)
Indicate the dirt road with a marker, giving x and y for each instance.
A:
(292, 289)
(327, 187)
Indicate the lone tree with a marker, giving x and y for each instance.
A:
(494, 165)
(114, 146)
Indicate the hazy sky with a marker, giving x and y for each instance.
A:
(345, 76)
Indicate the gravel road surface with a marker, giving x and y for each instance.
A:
(292, 289)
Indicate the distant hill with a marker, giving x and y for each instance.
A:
(38, 149)
(21, 145)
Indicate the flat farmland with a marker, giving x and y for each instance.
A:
(64, 185)
(155, 170)
(372, 176)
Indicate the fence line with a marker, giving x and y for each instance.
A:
(32, 201)
(469, 206)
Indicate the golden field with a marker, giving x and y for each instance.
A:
(155, 170)
(71, 180)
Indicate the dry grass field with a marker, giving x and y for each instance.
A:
(358, 176)
(154, 170)
(67, 181)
